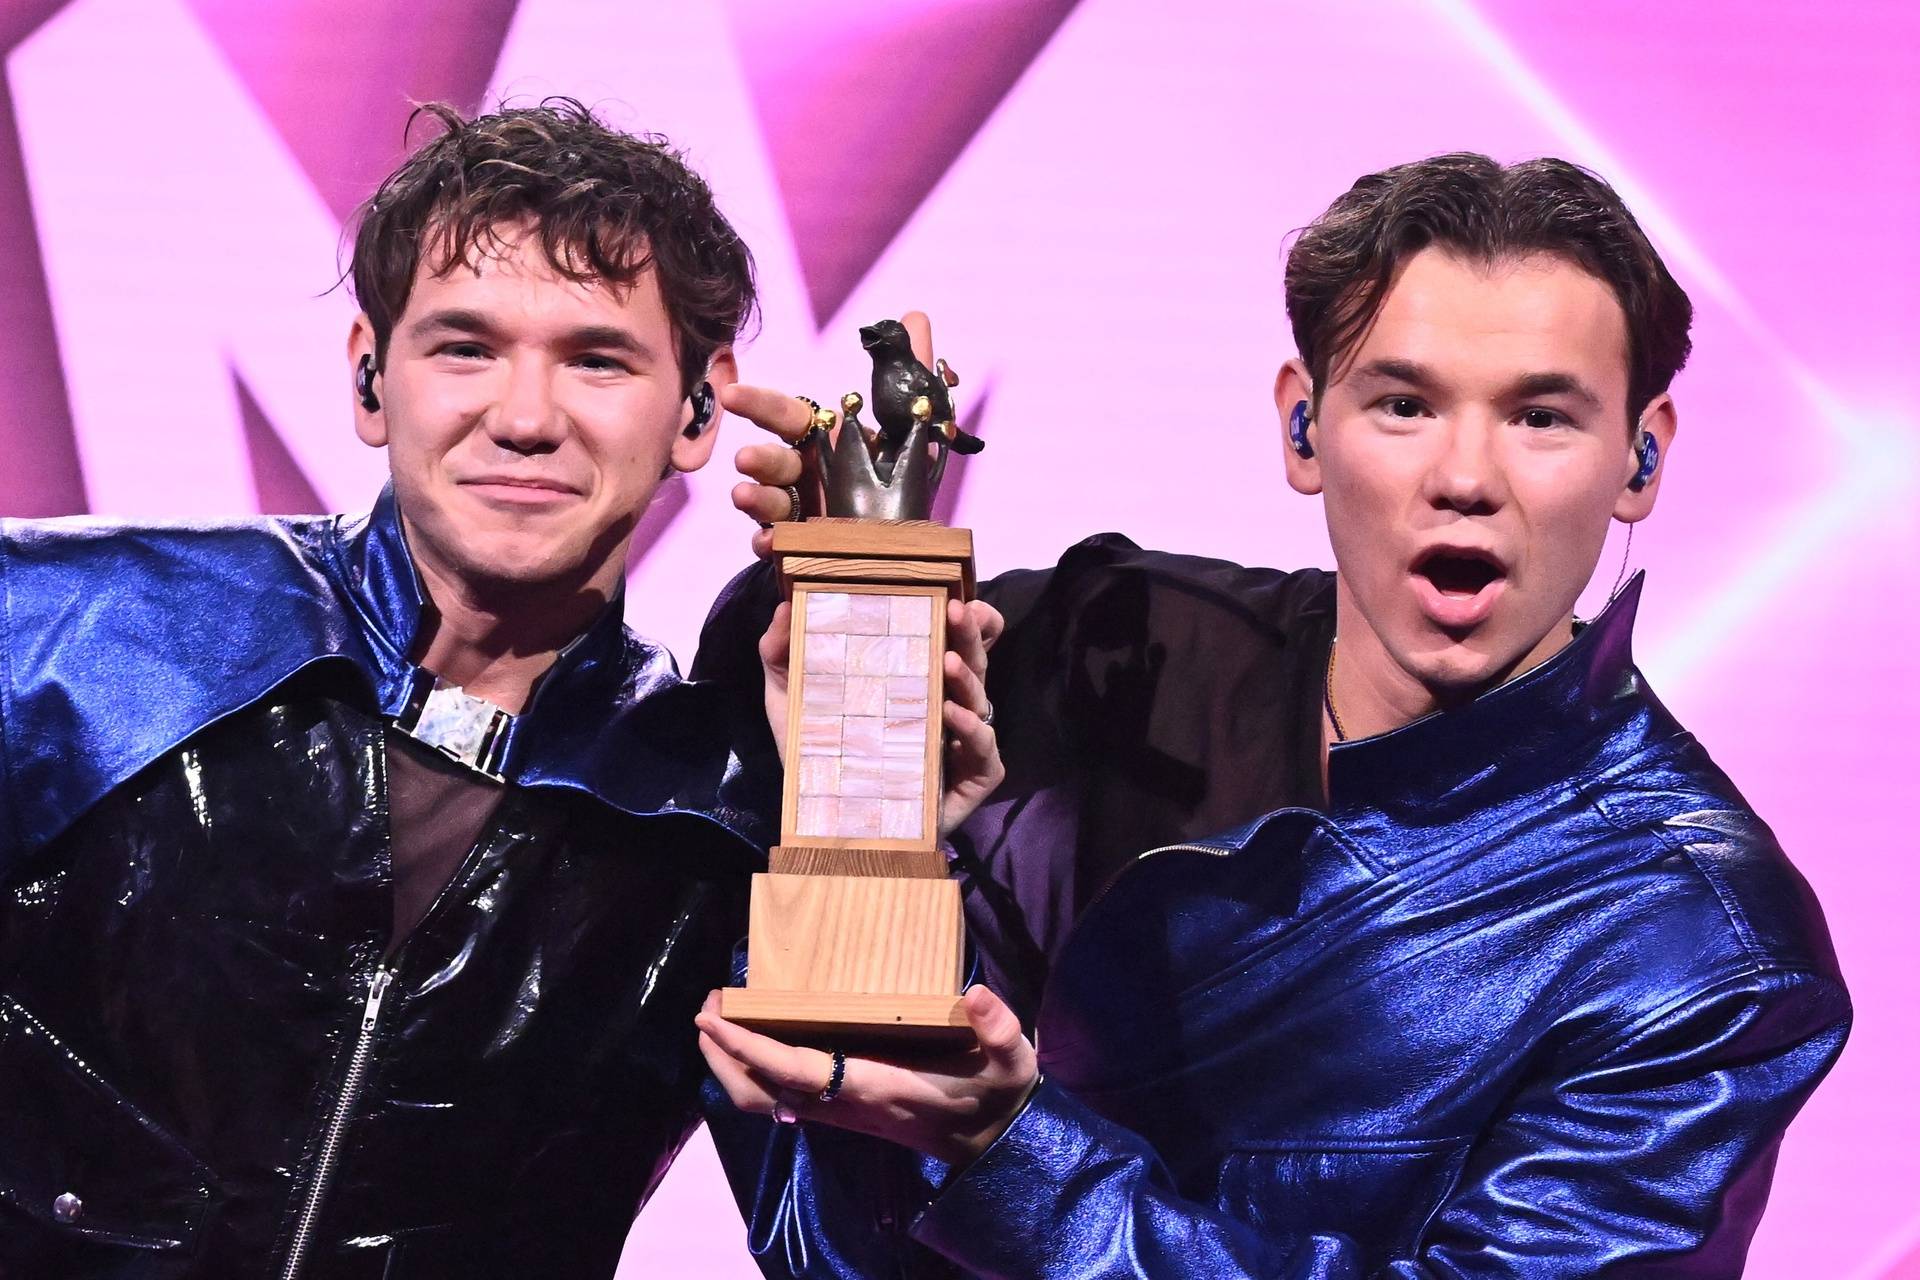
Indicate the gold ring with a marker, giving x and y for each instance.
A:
(818, 419)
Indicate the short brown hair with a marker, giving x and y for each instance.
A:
(1340, 269)
(606, 206)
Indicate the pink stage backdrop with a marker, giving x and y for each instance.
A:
(1090, 185)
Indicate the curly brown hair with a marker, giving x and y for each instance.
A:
(1340, 269)
(606, 205)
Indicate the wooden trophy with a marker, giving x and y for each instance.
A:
(854, 934)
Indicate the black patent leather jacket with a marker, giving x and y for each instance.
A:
(212, 1061)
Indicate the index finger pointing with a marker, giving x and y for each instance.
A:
(786, 416)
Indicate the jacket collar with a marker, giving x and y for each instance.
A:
(1580, 709)
(382, 582)
(1543, 728)
(186, 624)
(385, 589)
(611, 716)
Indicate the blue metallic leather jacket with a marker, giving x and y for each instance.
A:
(1534, 994)
(217, 1056)
(121, 641)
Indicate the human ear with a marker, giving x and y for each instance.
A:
(1293, 397)
(691, 451)
(369, 415)
(1659, 423)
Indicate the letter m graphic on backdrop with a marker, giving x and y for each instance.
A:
(188, 266)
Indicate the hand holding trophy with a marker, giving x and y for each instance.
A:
(855, 933)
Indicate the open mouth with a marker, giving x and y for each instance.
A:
(1458, 586)
(1459, 574)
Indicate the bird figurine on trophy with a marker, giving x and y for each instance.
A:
(855, 933)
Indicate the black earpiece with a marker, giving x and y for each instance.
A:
(702, 401)
(1297, 430)
(1649, 453)
(363, 383)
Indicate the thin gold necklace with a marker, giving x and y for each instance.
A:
(1333, 716)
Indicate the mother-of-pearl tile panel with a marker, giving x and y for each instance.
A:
(864, 715)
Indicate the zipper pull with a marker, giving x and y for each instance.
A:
(381, 979)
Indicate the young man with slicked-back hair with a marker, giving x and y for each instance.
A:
(360, 876)
(1375, 924)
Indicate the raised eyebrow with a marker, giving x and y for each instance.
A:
(1554, 384)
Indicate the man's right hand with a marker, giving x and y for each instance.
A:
(770, 468)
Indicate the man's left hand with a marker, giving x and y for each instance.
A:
(950, 1107)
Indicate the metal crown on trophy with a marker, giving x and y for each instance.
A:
(855, 930)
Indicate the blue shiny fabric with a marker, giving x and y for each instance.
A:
(122, 642)
(1536, 997)
(222, 1053)
(1536, 994)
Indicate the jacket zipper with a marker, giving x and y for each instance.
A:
(1117, 876)
(351, 1086)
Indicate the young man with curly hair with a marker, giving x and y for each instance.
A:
(360, 876)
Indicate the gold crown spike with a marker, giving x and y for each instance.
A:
(851, 402)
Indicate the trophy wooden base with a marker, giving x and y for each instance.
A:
(860, 959)
(890, 1024)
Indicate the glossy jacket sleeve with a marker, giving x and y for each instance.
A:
(821, 1203)
(1652, 1158)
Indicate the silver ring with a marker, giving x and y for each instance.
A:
(987, 719)
(794, 511)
